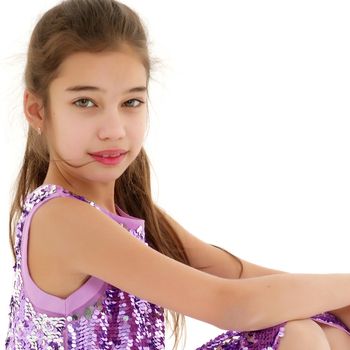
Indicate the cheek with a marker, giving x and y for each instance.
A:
(137, 132)
(70, 137)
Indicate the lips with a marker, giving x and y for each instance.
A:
(109, 153)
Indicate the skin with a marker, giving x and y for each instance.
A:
(102, 120)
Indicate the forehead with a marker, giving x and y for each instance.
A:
(112, 68)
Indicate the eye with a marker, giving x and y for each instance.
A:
(82, 99)
(128, 104)
(134, 99)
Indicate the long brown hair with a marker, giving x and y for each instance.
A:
(92, 26)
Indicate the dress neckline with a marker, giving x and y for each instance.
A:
(123, 214)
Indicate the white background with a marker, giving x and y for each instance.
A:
(249, 134)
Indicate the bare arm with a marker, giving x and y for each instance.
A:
(269, 300)
(217, 261)
(101, 247)
(252, 270)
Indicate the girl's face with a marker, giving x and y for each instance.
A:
(111, 113)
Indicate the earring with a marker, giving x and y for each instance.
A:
(39, 131)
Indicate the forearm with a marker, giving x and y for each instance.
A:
(261, 302)
(342, 313)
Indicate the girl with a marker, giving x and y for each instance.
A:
(97, 267)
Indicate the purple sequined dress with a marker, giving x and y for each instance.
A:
(95, 316)
(98, 315)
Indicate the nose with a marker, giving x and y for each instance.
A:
(113, 126)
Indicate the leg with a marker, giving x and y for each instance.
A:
(304, 334)
(338, 339)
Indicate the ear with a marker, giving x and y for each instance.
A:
(33, 110)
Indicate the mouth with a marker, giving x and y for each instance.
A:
(108, 155)
(108, 159)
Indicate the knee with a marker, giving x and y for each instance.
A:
(303, 334)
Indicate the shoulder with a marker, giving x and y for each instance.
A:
(62, 205)
(55, 212)
(66, 225)
(97, 245)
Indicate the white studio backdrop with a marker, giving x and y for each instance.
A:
(249, 128)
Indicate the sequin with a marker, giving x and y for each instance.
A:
(264, 339)
(116, 319)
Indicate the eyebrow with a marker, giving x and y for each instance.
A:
(96, 88)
